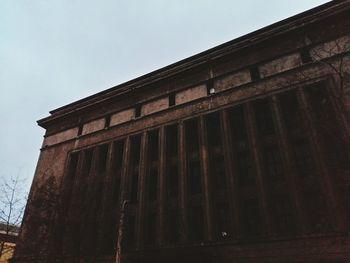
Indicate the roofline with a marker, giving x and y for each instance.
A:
(249, 39)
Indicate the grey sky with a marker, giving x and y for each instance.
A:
(53, 52)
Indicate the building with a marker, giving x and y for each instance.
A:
(8, 237)
(237, 154)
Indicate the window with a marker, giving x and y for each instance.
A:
(107, 121)
(250, 218)
(245, 172)
(172, 226)
(192, 151)
(102, 158)
(303, 157)
(305, 55)
(255, 74)
(134, 167)
(151, 230)
(273, 163)
(263, 116)
(172, 99)
(196, 223)
(171, 161)
(282, 214)
(138, 111)
(222, 215)
(153, 165)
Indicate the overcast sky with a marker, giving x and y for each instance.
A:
(53, 52)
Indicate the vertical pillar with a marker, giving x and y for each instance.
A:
(182, 184)
(161, 184)
(232, 190)
(286, 154)
(204, 157)
(252, 135)
(141, 191)
(321, 161)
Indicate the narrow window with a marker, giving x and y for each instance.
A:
(193, 162)
(196, 223)
(153, 165)
(171, 161)
(80, 129)
(107, 121)
(134, 167)
(303, 158)
(305, 55)
(216, 153)
(138, 111)
(282, 214)
(130, 231)
(263, 116)
(273, 162)
(250, 217)
(222, 214)
(172, 225)
(290, 111)
(255, 74)
(102, 158)
(172, 99)
(210, 87)
(244, 166)
(151, 231)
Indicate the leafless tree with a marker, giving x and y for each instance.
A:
(12, 204)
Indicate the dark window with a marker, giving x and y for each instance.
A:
(130, 233)
(218, 170)
(290, 111)
(255, 74)
(263, 115)
(317, 214)
(283, 217)
(196, 223)
(171, 161)
(172, 181)
(172, 226)
(238, 126)
(245, 170)
(172, 99)
(305, 55)
(193, 163)
(250, 218)
(153, 180)
(138, 110)
(151, 231)
(107, 121)
(194, 176)
(213, 124)
(102, 158)
(273, 163)
(153, 156)
(210, 87)
(192, 136)
(303, 157)
(117, 164)
(223, 215)
(80, 129)
(134, 166)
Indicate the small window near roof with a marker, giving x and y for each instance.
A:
(138, 111)
(172, 99)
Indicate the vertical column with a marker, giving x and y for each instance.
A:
(321, 161)
(105, 202)
(182, 184)
(207, 205)
(230, 175)
(141, 191)
(249, 113)
(162, 172)
(286, 154)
